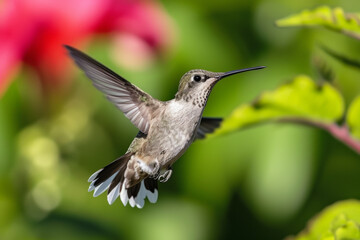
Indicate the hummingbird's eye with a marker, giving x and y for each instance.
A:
(197, 78)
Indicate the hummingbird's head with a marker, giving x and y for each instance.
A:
(200, 82)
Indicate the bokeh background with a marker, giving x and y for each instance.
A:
(56, 129)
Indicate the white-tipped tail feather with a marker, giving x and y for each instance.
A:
(94, 175)
(114, 194)
(123, 195)
(134, 195)
(104, 185)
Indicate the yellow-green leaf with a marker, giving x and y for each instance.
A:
(334, 19)
(302, 98)
(340, 221)
(353, 118)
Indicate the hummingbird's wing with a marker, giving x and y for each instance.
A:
(207, 125)
(137, 105)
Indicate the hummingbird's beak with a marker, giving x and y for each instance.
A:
(226, 74)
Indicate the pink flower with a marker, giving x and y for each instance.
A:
(32, 32)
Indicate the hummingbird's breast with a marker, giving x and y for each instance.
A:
(172, 132)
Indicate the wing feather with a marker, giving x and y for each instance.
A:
(138, 106)
(207, 125)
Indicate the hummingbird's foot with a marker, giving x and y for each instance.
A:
(166, 175)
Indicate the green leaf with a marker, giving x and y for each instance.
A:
(340, 221)
(301, 99)
(353, 118)
(334, 19)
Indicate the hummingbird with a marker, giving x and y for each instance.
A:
(166, 129)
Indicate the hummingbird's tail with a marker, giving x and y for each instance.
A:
(112, 178)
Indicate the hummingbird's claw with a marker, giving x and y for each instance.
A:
(166, 175)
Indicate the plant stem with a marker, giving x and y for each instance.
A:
(341, 133)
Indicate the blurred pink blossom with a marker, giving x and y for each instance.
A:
(32, 32)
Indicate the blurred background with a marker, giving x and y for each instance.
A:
(56, 129)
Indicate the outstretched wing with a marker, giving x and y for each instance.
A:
(207, 125)
(137, 105)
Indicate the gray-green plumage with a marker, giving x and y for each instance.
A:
(166, 129)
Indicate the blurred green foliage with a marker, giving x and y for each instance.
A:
(340, 221)
(301, 99)
(263, 183)
(334, 19)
